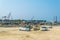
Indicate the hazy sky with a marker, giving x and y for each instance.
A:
(26, 9)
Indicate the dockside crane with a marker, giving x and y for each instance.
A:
(6, 17)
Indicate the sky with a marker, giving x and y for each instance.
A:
(28, 9)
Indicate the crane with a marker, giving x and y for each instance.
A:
(7, 17)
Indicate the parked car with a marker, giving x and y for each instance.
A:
(25, 28)
(44, 28)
